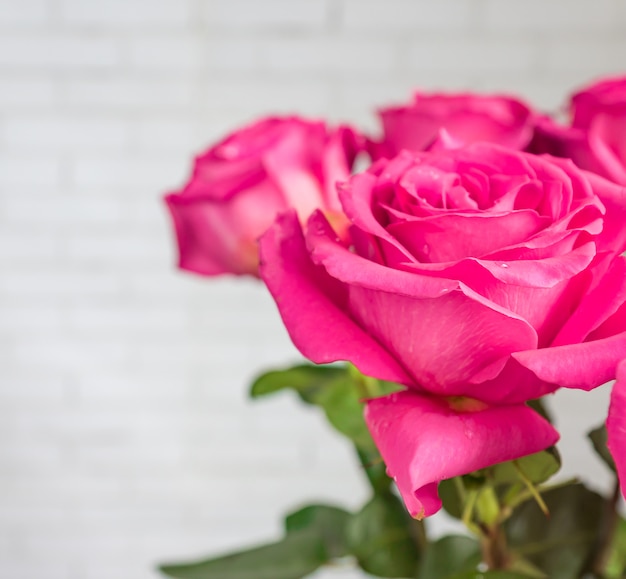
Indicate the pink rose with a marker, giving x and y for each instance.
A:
(238, 186)
(596, 139)
(452, 120)
(480, 278)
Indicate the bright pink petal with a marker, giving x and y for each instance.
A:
(613, 197)
(521, 266)
(616, 425)
(220, 237)
(607, 91)
(313, 305)
(234, 164)
(424, 440)
(466, 118)
(545, 308)
(341, 149)
(508, 382)
(357, 200)
(291, 165)
(582, 366)
(606, 140)
(405, 129)
(453, 236)
(572, 143)
(607, 293)
(440, 331)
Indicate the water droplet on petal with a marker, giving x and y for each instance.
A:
(426, 249)
(504, 265)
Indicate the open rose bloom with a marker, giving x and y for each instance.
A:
(238, 187)
(463, 264)
(480, 278)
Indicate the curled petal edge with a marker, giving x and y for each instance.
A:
(312, 305)
(424, 440)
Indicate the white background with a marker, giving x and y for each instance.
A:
(125, 433)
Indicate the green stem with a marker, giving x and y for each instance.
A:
(494, 547)
(493, 542)
(420, 535)
(468, 508)
(532, 489)
(374, 469)
(460, 488)
(607, 533)
(524, 496)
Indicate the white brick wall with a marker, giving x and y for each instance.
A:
(125, 434)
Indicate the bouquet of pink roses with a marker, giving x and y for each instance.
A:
(474, 267)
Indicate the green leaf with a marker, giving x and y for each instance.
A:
(328, 522)
(616, 565)
(306, 379)
(489, 575)
(598, 438)
(561, 544)
(526, 568)
(452, 495)
(383, 537)
(294, 557)
(372, 387)
(537, 468)
(344, 407)
(448, 555)
(374, 469)
(335, 389)
(315, 535)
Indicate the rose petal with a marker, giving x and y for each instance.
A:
(616, 425)
(415, 316)
(291, 164)
(572, 143)
(582, 366)
(545, 308)
(340, 152)
(466, 118)
(613, 197)
(507, 382)
(605, 92)
(522, 266)
(423, 441)
(453, 236)
(313, 305)
(356, 199)
(606, 295)
(606, 139)
(217, 237)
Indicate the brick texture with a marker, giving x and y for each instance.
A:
(126, 436)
